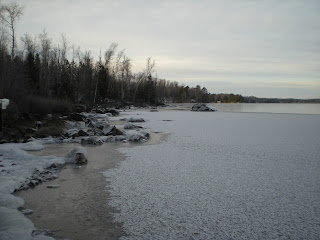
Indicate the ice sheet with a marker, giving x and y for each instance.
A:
(222, 176)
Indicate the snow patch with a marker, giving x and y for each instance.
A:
(32, 146)
(14, 225)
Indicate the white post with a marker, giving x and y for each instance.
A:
(1, 131)
(3, 105)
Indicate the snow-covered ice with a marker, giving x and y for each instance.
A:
(221, 176)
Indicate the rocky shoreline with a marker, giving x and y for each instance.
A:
(87, 127)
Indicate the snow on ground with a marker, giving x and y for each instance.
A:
(16, 167)
(221, 176)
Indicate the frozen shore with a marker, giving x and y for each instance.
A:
(221, 176)
(21, 170)
(77, 208)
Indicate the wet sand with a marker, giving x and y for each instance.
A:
(78, 209)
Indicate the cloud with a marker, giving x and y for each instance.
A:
(193, 40)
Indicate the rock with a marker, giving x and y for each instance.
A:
(77, 155)
(33, 183)
(27, 211)
(99, 127)
(77, 117)
(82, 133)
(115, 132)
(130, 126)
(23, 187)
(100, 111)
(54, 128)
(53, 186)
(133, 119)
(136, 136)
(55, 165)
(106, 131)
(112, 111)
(91, 140)
(65, 135)
(203, 108)
(79, 108)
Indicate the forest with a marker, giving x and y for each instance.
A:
(39, 75)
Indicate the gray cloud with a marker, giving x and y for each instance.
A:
(230, 38)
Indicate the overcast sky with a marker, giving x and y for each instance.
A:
(265, 48)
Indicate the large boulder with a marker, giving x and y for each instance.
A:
(203, 108)
(77, 117)
(79, 108)
(135, 119)
(129, 125)
(82, 133)
(114, 112)
(137, 135)
(77, 155)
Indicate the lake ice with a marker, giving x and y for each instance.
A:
(221, 176)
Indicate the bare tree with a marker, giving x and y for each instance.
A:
(29, 44)
(97, 78)
(150, 67)
(110, 53)
(150, 64)
(64, 48)
(45, 44)
(3, 38)
(3, 31)
(126, 66)
(11, 13)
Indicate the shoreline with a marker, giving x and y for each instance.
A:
(78, 208)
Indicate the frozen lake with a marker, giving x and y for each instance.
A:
(296, 108)
(221, 175)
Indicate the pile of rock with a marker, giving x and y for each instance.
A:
(88, 128)
(39, 177)
(203, 108)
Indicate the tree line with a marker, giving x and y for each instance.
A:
(36, 70)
